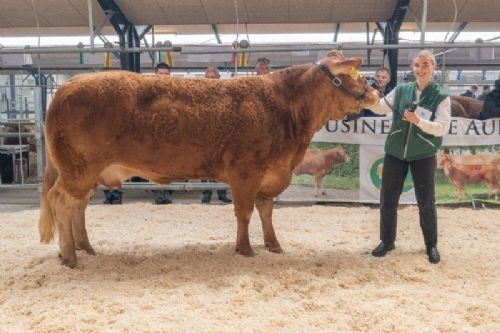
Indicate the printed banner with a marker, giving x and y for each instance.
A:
(344, 163)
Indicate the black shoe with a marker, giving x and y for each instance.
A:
(225, 199)
(116, 201)
(223, 196)
(433, 254)
(382, 249)
(115, 197)
(207, 196)
(107, 201)
(166, 201)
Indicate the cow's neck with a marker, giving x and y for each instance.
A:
(311, 96)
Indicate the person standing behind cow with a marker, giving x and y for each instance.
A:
(381, 84)
(415, 136)
(263, 66)
(486, 91)
(491, 106)
(471, 92)
(213, 73)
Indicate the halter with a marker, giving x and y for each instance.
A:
(337, 82)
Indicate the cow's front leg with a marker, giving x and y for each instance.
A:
(316, 187)
(79, 230)
(323, 192)
(318, 181)
(265, 205)
(244, 201)
(64, 206)
(459, 191)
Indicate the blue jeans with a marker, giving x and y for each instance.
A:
(393, 176)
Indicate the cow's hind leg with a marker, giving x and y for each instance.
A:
(265, 205)
(79, 230)
(64, 208)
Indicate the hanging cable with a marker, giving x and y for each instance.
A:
(453, 22)
(236, 43)
(40, 128)
(237, 19)
(248, 39)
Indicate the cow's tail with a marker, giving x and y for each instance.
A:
(47, 223)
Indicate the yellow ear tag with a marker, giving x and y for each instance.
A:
(354, 73)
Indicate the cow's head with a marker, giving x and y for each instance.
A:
(336, 155)
(443, 160)
(352, 90)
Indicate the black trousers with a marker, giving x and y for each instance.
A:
(393, 176)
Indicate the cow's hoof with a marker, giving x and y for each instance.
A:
(70, 263)
(90, 251)
(86, 248)
(247, 252)
(274, 249)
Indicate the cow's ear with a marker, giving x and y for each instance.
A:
(335, 55)
(346, 66)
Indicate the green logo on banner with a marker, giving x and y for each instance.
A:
(376, 176)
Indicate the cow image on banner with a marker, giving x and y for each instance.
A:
(328, 172)
(319, 163)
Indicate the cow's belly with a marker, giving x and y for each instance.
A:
(114, 175)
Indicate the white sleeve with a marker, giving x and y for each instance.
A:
(385, 105)
(441, 123)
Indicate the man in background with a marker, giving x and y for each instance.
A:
(471, 92)
(486, 91)
(263, 66)
(381, 84)
(491, 106)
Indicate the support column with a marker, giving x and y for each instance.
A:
(127, 35)
(391, 36)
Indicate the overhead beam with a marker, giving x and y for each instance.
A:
(216, 33)
(423, 22)
(381, 28)
(337, 30)
(145, 30)
(127, 35)
(457, 32)
(368, 51)
(229, 50)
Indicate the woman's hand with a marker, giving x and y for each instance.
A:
(411, 117)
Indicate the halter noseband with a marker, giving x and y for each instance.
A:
(337, 82)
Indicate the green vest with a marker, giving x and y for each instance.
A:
(406, 141)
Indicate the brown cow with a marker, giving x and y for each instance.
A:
(465, 107)
(319, 163)
(248, 132)
(461, 174)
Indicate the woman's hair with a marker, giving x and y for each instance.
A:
(427, 55)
